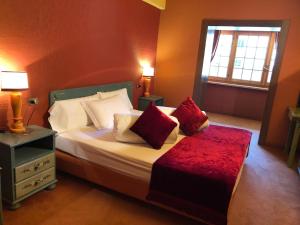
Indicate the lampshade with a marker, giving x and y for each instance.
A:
(148, 71)
(14, 80)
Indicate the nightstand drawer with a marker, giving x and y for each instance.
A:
(34, 182)
(34, 167)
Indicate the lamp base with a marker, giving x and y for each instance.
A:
(16, 103)
(147, 82)
(18, 130)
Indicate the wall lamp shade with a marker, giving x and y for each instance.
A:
(147, 73)
(15, 82)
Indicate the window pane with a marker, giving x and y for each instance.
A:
(250, 52)
(238, 63)
(250, 57)
(207, 52)
(248, 64)
(246, 75)
(252, 41)
(219, 64)
(272, 64)
(237, 74)
(242, 40)
(261, 53)
(258, 64)
(270, 71)
(256, 75)
(224, 46)
(224, 61)
(213, 71)
(263, 41)
(215, 61)
(222, 71)
(269, 76)
(225, 50)
(274, 53)
(240, 52)
(225, 39)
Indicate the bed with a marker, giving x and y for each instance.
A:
(94, 155)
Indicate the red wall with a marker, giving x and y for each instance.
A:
(178, 43)
(235, 101)
(67, 43)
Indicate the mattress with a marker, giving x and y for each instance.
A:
(100, 147)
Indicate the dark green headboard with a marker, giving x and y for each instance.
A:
(90, 90)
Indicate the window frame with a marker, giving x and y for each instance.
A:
(228, 79)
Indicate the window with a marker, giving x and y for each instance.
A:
(241, 57)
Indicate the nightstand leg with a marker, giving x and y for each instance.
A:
(14, 206)
(51, 187)
(294, 145)
(288, 144)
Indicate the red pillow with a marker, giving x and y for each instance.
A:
(153, 126)
(190, 117)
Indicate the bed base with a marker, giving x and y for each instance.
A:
(110, 179)
(101, 175)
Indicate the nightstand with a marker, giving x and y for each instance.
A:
(28, 164)
(144, 101)
(293, 135)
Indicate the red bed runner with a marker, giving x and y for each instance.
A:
(198, 174)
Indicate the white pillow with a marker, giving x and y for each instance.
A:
(205, 124)
(69, 114)
(58, 118)
(169, 110)
(122, 92)
(122, 133)
(102, 111)
(166, 110)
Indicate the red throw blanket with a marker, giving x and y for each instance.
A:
(198, 174)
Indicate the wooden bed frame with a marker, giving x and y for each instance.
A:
(99, 174)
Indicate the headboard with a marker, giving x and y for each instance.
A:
(90, 90)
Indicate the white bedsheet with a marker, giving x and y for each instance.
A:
(100, 147)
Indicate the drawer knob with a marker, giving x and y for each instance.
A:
(37, 166)
(37, 182)
(46, 177)
(26, 170)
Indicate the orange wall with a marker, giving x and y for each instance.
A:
(178, 41)
(67, 43)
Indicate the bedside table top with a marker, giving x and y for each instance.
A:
(294, 113)
(34, 133)
(151, 98)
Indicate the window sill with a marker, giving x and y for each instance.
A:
(238, 85)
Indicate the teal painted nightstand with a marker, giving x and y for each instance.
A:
(28, 164)
(144, 101)
(293, 135)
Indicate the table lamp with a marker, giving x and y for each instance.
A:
(148, 72)
(15, 82)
